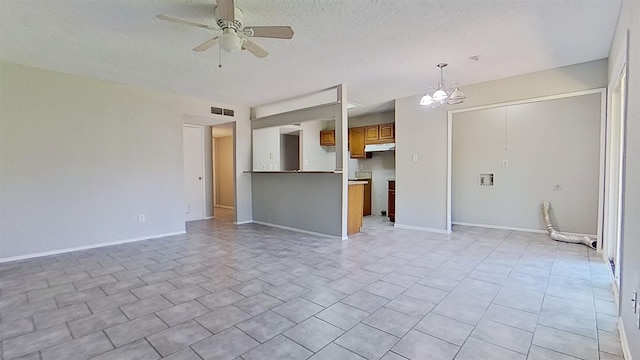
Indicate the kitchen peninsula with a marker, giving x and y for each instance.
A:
(289, 164)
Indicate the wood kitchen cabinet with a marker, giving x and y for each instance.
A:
(354, 211)
(379, 134)
(328, 138)
(356, 142)
(366, 210)
(371, 133)
(386, 132)
(391, 200)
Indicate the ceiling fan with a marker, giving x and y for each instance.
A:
(234, 36)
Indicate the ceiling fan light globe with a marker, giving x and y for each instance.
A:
(230, 42)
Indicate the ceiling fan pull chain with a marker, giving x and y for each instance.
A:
(219, 57)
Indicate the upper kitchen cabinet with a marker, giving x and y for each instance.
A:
(377, 134)
(357, 142)
(371, 133)
(328, 138)
(386, 132)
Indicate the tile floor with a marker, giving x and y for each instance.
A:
(254, 292)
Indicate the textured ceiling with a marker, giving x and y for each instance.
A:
(382, 49)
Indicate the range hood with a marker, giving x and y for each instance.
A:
(380, 147)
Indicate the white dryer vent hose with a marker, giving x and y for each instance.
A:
(558, 236)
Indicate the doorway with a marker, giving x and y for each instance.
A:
(193, 155)
(614, 176)
(222, 150)
(501, 162)
(290, 151)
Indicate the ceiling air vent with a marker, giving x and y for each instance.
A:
(221, 111)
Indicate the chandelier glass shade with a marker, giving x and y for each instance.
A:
(441, 94)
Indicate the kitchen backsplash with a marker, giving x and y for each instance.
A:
(363, 174)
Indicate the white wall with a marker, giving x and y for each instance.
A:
(266, 149)
(546, 143)
(224, 171)
(303, 101)
(316, 157)
(372, 119)
(81, 158)
(630, 264)
(421, 196)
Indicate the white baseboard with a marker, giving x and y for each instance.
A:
(209, 217)
(421, 228)
(243, 222)
(499, 227)
(297, 230)
(626, 351)
(225, 207)
(514, 228)
(87, 247)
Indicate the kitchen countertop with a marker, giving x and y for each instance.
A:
(356, 182)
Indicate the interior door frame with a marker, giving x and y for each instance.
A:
(614, 174)
(214, 160)
(621, 69)
(603, 117)
(203, 167)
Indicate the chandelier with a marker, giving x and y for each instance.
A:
(441, 95)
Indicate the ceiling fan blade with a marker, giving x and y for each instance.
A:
(256, 50)
(278, 32)
(226, 9)
(206, 45)
(185, 22)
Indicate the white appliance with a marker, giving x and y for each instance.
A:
(380, 147)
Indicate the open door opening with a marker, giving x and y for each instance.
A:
(290, 151)
(222, 145)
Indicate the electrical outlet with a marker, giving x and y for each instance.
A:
(414, 158)
(141, 218)
(505, 163)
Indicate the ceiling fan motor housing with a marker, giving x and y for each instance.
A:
(223, 24)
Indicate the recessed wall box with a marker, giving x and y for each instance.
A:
(485, 180)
